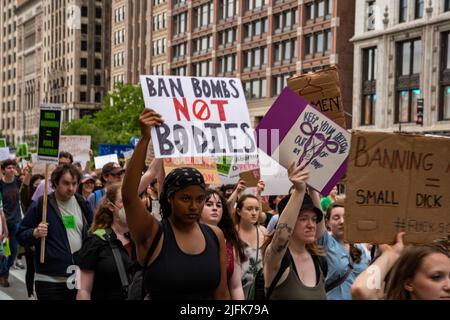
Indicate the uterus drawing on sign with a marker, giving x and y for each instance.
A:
(316, 145)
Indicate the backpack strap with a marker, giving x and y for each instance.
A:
(150, 252)
(284, 265)
(117, 259)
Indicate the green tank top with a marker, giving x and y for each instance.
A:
(293, 288)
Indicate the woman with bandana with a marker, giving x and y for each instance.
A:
(183, 259)
(99, 277)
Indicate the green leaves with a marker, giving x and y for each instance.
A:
(116, 123)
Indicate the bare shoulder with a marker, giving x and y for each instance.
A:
(217, 231)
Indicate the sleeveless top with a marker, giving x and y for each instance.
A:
(250, 267)
(293, 288)
(176, 275)
(230, 260)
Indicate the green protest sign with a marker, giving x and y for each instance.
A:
(3, 143)
(49, 132)
(22, 150)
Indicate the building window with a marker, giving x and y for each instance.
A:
(447, 5)
(419, 8)
(409, 55)
(179, 50)
(84, 28)
(202, 69)
(255, 58)
(318, 9)
(285, 20)
(369, 87)
(285, 52)
(83, 79)
(403, 11)
(83, 63)
(203, 15)
(180, 71)
(371, 15)
(255, 28)
(227, 9)
(226, 64)
(279, 82)
(83, 45)
(98, 63)
(444, 112)
(202, 44)
(227, 37)
(84, 11)
(255, 89)
(319, 42)
(159, 46)
(83, 96)
(180, 23)
(255, 4)
(98, 12)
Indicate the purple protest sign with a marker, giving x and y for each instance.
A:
(293, 130)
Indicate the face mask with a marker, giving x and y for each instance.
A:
(122, 215)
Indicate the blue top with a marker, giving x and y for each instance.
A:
(338, 260)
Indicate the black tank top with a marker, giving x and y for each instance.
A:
(176, 275)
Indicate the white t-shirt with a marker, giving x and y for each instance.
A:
(73, 221)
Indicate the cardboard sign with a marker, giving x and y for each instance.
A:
(397, 183)
(4, 153)
(323, 91)
(206, 166)
(2, 142)
(118, 149)
(251, 177)
(78, 146)
(49, 133)
(102, 160)
(293, 130)
(203, 116)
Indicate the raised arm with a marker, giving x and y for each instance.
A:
(240, 187)
(142, 225)
(286, 223)
(315, 197)
(368, 285)
(259, 189)
(151, 173)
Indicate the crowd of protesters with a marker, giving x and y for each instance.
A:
(174, 237)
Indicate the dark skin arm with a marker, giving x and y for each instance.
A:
(143, 226)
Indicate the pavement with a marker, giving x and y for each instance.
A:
(17, 289)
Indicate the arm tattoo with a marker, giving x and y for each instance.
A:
(284, 226)
(280, 228)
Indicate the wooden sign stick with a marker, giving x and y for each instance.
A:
(44, 213)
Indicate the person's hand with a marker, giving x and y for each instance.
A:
(148, 119)
(91, 153)
(241, 186)
(41, 230)
(260, 187)
(396, 248)
(298, 177)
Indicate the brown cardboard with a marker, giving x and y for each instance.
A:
(399, 171)
(323, 91)
(206, 166)
(251, 177)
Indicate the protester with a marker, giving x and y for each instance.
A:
(29, 185)
(420, 272)
(64, 158)
(68, 220)
(345, 261)
(252, 234)
(215, 212)
(273, 202)
(293, 246)
(189, 261)
(86, 186)
(10, 189)
(100, 278)
(3, 235)
(111, 173)
(326, 201)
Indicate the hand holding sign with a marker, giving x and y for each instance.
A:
(149, 118)
(298, 177)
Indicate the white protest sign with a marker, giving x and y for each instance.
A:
(4, 153)
(295, 131)
(78, 146)
(203, 116)
(274, 176)
(102, 160)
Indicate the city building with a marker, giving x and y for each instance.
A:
(52, 52)
(402, 59)
(138, 39)
(263, 42)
